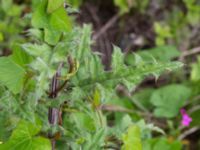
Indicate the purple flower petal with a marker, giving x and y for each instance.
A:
(186, 119)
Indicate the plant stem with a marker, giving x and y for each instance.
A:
(53, 114)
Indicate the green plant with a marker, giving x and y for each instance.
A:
(55, 91)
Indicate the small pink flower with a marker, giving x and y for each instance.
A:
(186, 119)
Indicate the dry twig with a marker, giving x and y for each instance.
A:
(193, 51)
(106, 27)
(188, 132)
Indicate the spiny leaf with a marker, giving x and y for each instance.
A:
(117, 60)
(131, 74)
(90, 67)
(96, 140)
(84, 46)
(36, 33)
(37, 50)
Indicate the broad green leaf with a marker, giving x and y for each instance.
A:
(19, 56)
(51, 36)
(160, 53)
(161, 143)
(53, 5)
(11, 75)
(144, 96)
(169, 99)
(35, 3)
(24, 138)
(132, 139)
(40, 18)
(58, 20)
